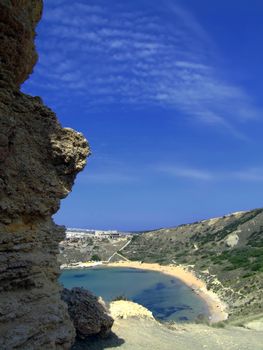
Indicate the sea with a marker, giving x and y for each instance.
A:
(166, 297)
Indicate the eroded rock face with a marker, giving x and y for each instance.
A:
(38, 164)
(18, 19)
(88, 313)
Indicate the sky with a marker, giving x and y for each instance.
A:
(168, 94)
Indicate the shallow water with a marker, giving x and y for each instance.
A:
(167, 297)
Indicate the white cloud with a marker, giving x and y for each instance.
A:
(185, 172)
(252, 174)
(190, 22)
(107, 178)
(137, 57)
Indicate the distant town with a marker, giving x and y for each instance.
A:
(82, 245)
(84, 233)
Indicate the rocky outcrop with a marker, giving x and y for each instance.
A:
(18, 19)
(125, 309)
(87, 312)
(38, 164)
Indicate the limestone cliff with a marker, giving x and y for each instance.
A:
(38, 163)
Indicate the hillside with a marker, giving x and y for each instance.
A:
(80, 246)
(226, 252)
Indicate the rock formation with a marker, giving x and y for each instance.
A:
(87, 312)
(38, 163)
(125, 309)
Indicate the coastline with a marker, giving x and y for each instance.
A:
(217, 308)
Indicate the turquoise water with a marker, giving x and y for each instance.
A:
(167, 297)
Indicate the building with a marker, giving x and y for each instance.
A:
(107, 234)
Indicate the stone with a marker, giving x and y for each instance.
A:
(123, 309)
(39, 161)
(18, 19)
(88, 313)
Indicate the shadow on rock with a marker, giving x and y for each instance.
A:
(97, 343)
(88, 313)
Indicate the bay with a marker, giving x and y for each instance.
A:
(166, 297)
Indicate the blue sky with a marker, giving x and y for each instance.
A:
(169, 95)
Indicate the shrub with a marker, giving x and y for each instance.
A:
(95, 257)
(120, 297)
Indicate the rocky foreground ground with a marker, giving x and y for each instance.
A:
(136, 330)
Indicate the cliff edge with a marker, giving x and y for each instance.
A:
(38, 164)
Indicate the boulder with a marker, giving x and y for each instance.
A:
(87, 312)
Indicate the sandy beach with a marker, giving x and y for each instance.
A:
(216, 307)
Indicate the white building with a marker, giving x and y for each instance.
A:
(107, 234)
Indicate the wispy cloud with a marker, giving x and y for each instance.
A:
(107, 178)
(250, 175)
(120, 56)
(185, 172)
(103, 170)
